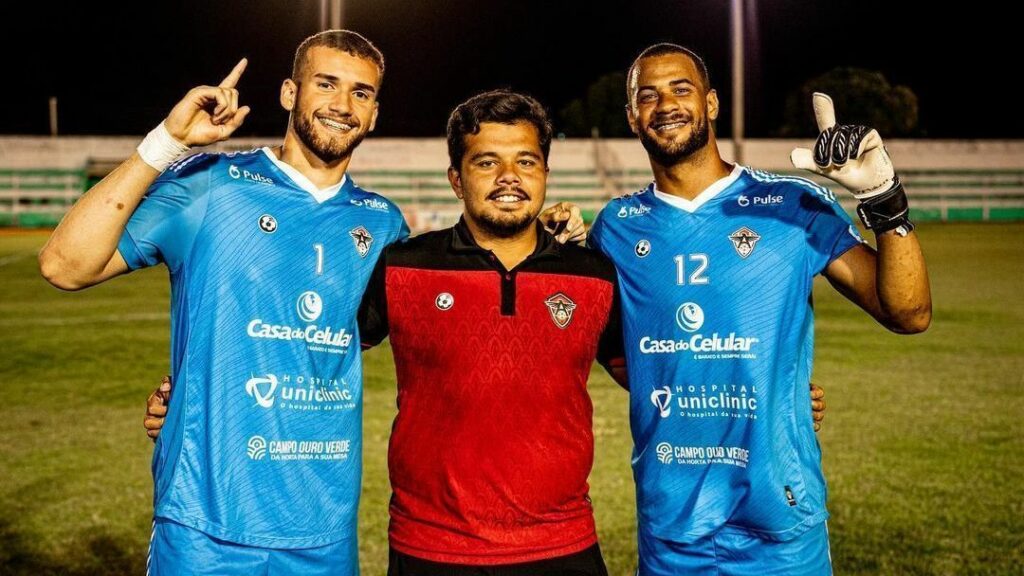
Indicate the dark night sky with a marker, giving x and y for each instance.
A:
(118, 67)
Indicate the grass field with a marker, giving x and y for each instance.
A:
(924, 440)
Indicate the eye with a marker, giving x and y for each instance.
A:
(527, 163)
(486, 163)
(647, 97)
(682, 90)
(361, 95)
(325, 85)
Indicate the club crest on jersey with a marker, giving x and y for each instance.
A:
(268, 223)
(561, 307)
(743, 240)
(362, 239)
(642, 248)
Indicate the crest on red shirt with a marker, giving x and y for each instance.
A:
(561, 308)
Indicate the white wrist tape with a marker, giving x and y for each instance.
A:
(159, 149)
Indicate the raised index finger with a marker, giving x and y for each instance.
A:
(231, 79)
(824, 111)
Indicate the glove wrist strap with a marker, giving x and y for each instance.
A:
(886, 211)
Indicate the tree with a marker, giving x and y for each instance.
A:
(863, 97)
(603, 107)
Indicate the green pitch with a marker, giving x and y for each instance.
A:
(923, 443)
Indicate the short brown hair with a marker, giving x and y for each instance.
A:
(347, 41)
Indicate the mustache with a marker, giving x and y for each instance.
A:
(503, 191)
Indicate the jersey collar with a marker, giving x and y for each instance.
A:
(321, 195)
(462, 241)
(705, 196)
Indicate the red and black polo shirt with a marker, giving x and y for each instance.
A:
(493, 442)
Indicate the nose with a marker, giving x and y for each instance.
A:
(509, 176)
(341, 103)
(666, 104)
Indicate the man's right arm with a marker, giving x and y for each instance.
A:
(82, 251)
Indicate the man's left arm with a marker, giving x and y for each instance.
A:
(891, 283)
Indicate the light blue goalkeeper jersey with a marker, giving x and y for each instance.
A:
(263, 440)
(719, 336)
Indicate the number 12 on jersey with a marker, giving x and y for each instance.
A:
(698, 262)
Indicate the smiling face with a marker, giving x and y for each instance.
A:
(670, 108)
(502, 177)
(333, 102)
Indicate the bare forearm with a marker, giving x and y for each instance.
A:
(80, 249)
(902, 282)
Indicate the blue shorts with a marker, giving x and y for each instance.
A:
(175, 549)
(731, 552)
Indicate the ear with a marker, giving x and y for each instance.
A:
(712, 102)
(289, 93)
(631, 119)
(455, 179)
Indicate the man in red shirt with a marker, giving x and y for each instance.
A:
(494, 327)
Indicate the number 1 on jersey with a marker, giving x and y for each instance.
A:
(697, 276)
(319, 248)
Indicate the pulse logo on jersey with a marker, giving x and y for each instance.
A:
(662, 398)
(362, 239)
(743, 240)
(631, 211)
(690, 317)
(642, 248)
(371, 204)
(268, 223)
(768, 200)
(309, 306)
(561, 307)
(256, 177)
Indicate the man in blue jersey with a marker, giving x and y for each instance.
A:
(269, 251)
(716, 263)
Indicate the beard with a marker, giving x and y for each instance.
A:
(673, 152)
(328, 150)
(505, 224)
